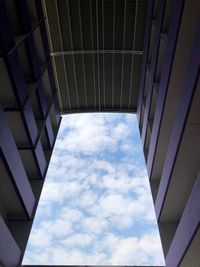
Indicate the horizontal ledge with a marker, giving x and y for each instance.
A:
(7, 246)
(25, 36)
(14, 167)
(187, 228)
(180, 125)
(97, 110)
(85, 52)
(89, 266)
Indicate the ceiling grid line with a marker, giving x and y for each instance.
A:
(53, 59)
(122, 73)
(113, 55)
(100, 51)
(93, 62)
(63, 58)
(73, 60)
(103, 41)
(83, 58)
(132, 59)
(98, 71)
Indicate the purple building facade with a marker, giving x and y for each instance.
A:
(166, 97)
(29, 122)
(169, 114)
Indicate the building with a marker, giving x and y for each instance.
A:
(118, 56)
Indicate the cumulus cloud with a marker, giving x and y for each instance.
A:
(78, 240)
(92, 132)
(96, 206)
(129, 249)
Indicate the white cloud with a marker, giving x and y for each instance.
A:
(88, 198)
(94, 224)
(93, 195)
(70, 215)
(40, 238)
(78, 240)
(92, 132)
(58, 255)
(55, 192)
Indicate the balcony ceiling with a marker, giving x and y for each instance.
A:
(96, 49)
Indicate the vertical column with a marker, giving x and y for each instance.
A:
(12, 161)
(30, 97)
(152, 66)
(10, 253)
(187, 229)
(144, 59)
(165, 77)
(182, 159)
(190, 86)
(37, 67)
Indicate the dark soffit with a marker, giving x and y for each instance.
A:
(96, 49)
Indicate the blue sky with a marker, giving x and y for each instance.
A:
(96, 206)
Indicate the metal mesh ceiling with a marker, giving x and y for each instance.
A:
(96, 47)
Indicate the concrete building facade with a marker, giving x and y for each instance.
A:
(137, 56)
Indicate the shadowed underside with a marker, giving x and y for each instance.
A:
(97, 49)
(88, 266)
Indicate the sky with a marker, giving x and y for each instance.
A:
(96, 207)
